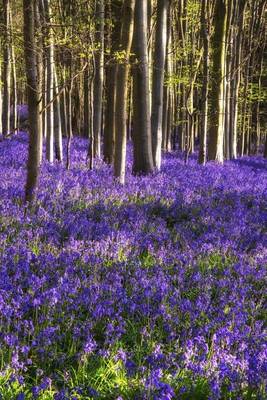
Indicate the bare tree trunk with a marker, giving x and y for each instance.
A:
(99, 76)
(86, 106)
(202, 158)
(58, 125)
(122, 91)
(69, 118)
(109, 126)
(50, 85)
(158, 79)
(40, 71)
(33, 99)
(143, 159)
(7, 69)
(216, 131)
(14, 121)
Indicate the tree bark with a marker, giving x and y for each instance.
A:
(99, 76)
(50, 85)
(216, 131)
(202, 158)
(122, 91)
(115, 11)
(237, 78)
(158, 79)
(7, 70)
(143, 159)
(57, 118)
(33, 99)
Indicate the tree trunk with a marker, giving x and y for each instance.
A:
(122, 91)
(158, 79)
(86, 106)
(14, 121)
(216, 131)
(7, 70)
(57, 118)
(50, 85)
(202, 158)
(39, 60)
(33, 99)
(143, 159)
(237, 79)
(109, 126)
(99, 76)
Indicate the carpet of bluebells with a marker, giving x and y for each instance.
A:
(155, 290)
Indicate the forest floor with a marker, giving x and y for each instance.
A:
(154, 290)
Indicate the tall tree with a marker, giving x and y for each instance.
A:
(122, 76)
(204, 117)
(236, 77)
(143, 159)
(33, 99)
(50, 83)
(7, 69)
(99, 75)
(158, 79)
(114, 16)
(216, 130)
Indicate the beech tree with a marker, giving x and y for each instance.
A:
(7, 69)
(158, 79)
(216, 130)
(33, 99)
(99, 76)
(122, 75)
(143, 160)
(49, 83)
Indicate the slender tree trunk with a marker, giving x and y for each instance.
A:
(158, 79)
(216, 132)
(58, 124)
(90, 155)
(109, 126)
(40, 71)
(237, 78)
(69, 117)
(50, 85)
(7, 69)
(33, 99)
(64, 105)
(99, 76)
(86, 107)
(166, 90)
(143, 159)
(205, 88)
(122, 91)
(14, 120)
